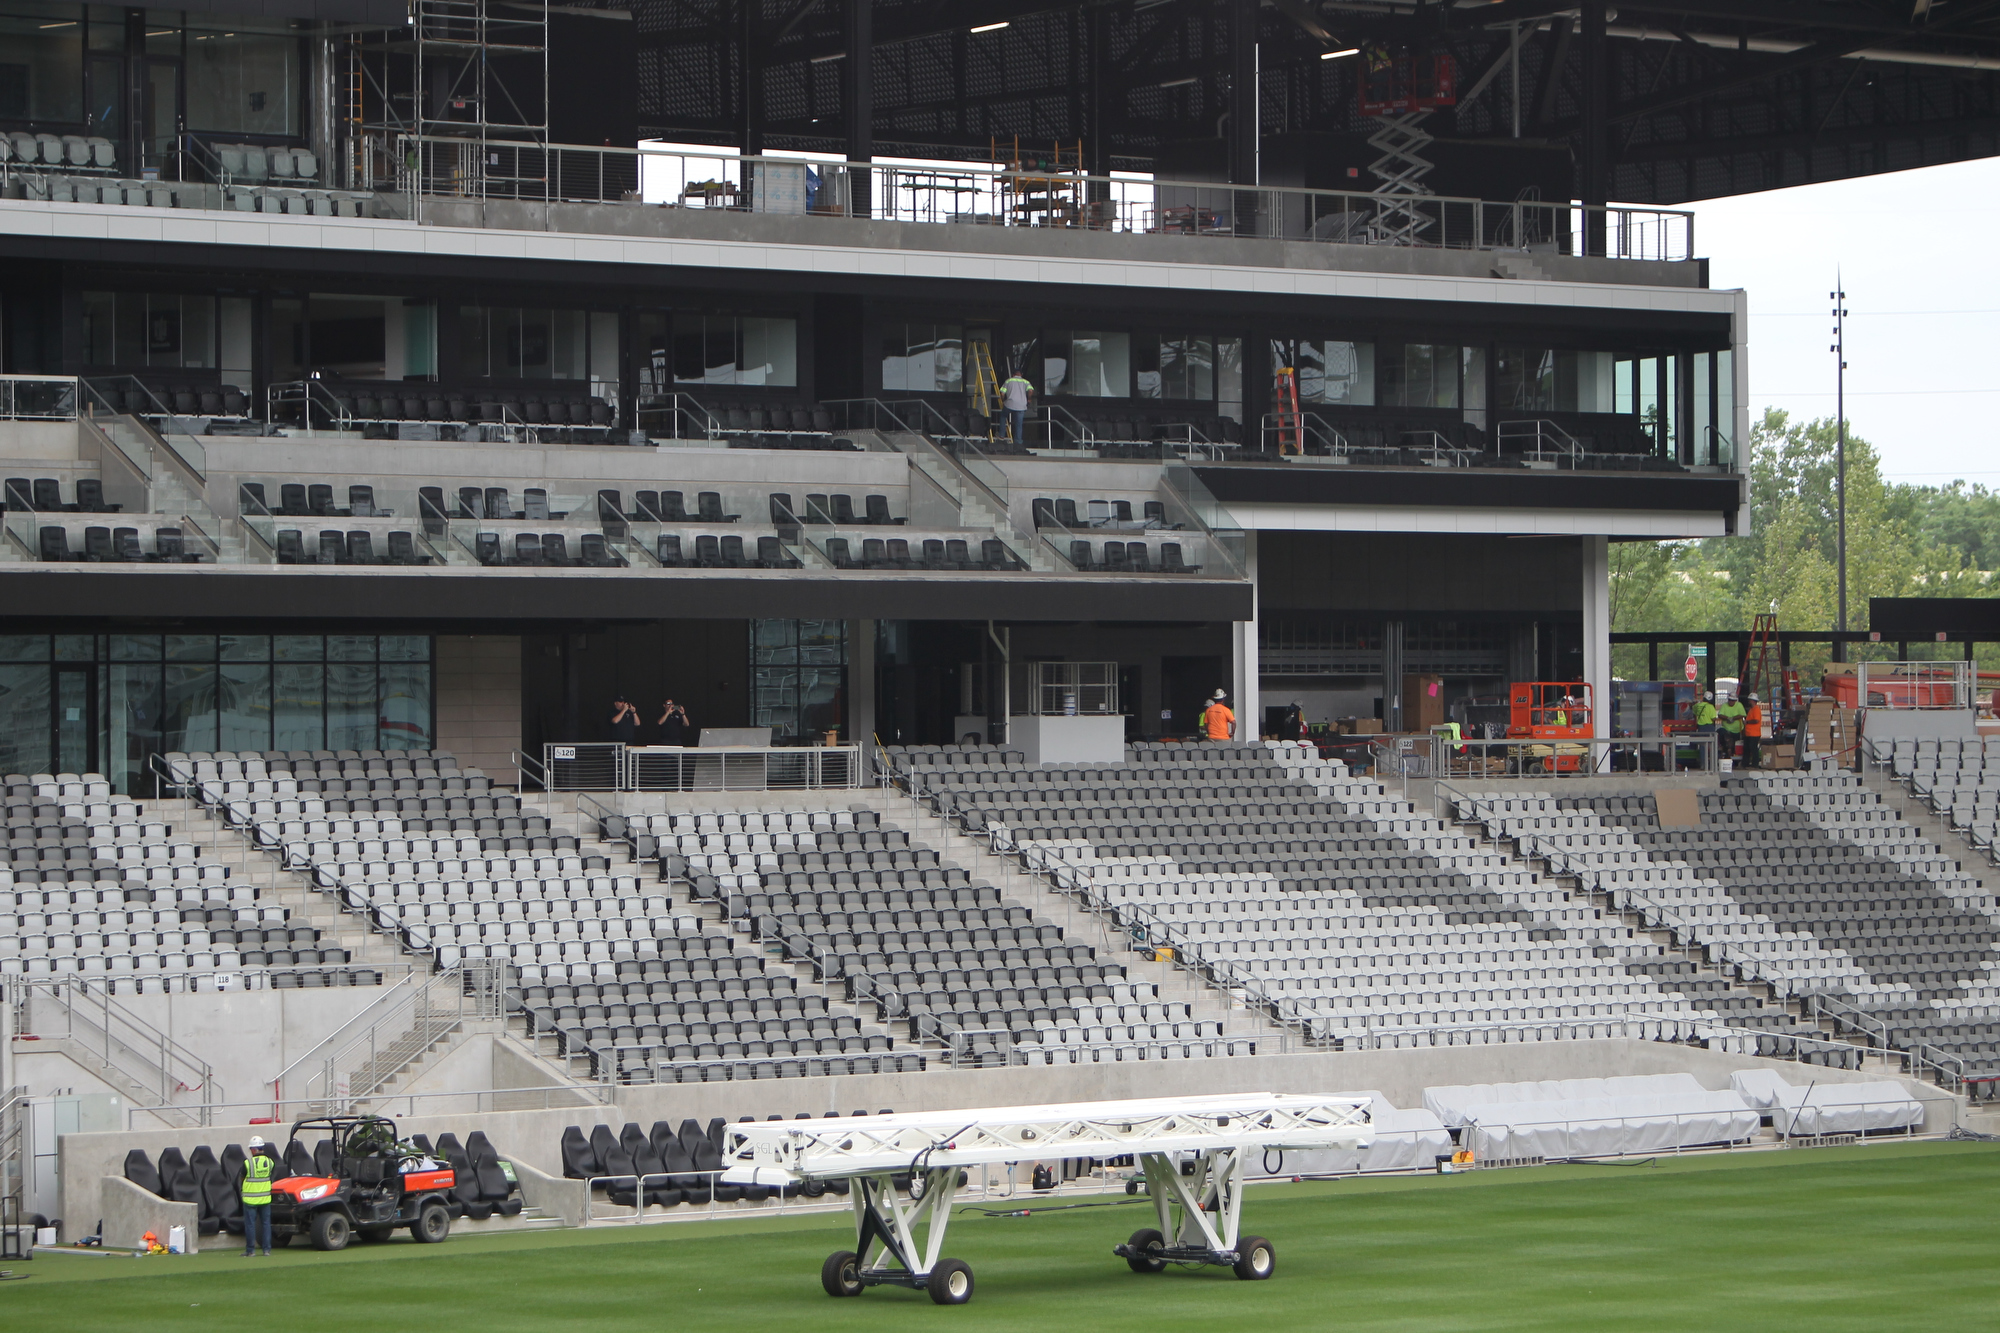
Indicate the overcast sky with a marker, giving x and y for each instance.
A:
(1923, 296)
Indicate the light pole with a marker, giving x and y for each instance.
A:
(1839, 349)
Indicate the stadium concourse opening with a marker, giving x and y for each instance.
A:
(1119, 498)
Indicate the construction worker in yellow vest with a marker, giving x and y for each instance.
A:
(1730, 717)
(254, 1182)
(1704, 720)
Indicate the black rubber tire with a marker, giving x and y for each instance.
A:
(840, 1274)
(374, 1235)
(950, 1283)
(1256, 1259)
(1148, 1239)
(331, 1230)
(433, 1224)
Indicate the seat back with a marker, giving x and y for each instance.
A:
(497, 503)
(48, 494)
(527, 548)
(332, 547)
(361, 547)
(877, 508)
(291, 546)
(1079, 554)
(672, 509)
(647, 504)
(843, 509)
(710, 506)
(732, 550)
(471, 502)
(707, 548)
(292, 497)
(770, 553)
(555, 550)
(487, 546)
(669, 549)
(402, 548)
(361, 501)
(90, 495)
(96, 543)
(55, 544)
(837, 551)
(319, 498)
(898, 548)
(1170, 557)
(20, 494)
(1066, 513)
(535, 504)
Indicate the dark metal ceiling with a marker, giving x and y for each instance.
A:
(1692, 100)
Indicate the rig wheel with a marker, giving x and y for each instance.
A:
(950, 1283)
(1142, 1241)
(841, 1275)
(1256, 1260)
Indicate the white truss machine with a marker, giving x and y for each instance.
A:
(1191, 1150)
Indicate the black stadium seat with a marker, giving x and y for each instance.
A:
(579, 1161)
(141, 1172)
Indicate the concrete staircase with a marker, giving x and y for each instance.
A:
(1520, 266)
(975, 510)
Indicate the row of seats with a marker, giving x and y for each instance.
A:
(1129, 558)
(313, 499)
(150, 398)
(948, 553)
(57, 150)
(771, 419)
(255, 163)
(1062, 511)
(332, 546)
(104, 545)
(831, 509)
(43, 495)
(551, 550)
(385, 401)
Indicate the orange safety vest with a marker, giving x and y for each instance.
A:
(1753, 722)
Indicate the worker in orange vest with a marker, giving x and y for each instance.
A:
(1753, 732)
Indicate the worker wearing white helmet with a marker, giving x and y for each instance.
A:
(1704, 722)
(253, 1182)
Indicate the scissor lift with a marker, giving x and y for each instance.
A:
(1199, 1214)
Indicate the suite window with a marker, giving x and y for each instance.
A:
(923, 358)
(1548, 379)
(708, 348)
(137, 695)
(527, 342)
(1419, 374)
(1087, 364)
(242, 82)
(1330, 371)
(153, 330)
(41, 64)
(1179, 366)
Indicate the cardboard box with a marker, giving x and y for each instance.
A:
(1423, 702)
(1367, 726)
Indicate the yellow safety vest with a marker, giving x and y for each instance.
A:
(257, 1170)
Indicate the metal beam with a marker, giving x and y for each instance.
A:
(857, 98)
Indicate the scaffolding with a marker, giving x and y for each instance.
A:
(480, 114)
(1039, 190)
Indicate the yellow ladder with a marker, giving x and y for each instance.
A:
(985, 385)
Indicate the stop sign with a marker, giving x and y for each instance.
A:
(1690, 668)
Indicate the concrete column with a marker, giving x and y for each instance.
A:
(1243, 690)
(857, 99)
(1597, 630)
(860, 682)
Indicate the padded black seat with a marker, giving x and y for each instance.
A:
(140, 1170)
(579, 1161)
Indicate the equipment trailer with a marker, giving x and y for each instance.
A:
(1199, 1213)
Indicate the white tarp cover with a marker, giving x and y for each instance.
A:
(1607, 1126)
(1760, 1087)
(1404, 1140)
(1448, 1103)
(1830, 1108)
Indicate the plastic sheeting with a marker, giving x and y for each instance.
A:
(1404, 1141)
(1828, 1108)
(1448, 1103)
(1607, 1126)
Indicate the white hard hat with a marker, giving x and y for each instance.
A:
(1219, 695)
(255, 1142)
(1709, 695)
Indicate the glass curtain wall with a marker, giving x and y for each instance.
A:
(159, 693)
(798, 677)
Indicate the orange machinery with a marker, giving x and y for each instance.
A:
(1552, 710)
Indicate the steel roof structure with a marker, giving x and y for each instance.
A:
(1650, 102)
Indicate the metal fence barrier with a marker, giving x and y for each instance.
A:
(602, 766)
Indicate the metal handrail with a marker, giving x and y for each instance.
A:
(1550, 439)
(991, 194)
(124, 1042)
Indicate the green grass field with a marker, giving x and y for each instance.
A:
(1868, 1238)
